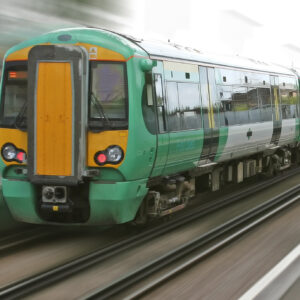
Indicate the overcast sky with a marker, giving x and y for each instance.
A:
(260, 29)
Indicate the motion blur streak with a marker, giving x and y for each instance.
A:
(21, 20)
(260, 30)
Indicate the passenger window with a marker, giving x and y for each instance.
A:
(173, 106)
(289, 96)
(285, 104)
(264, 98)
(225, 99)
(240, 105)
(253, 104)
(189, 100)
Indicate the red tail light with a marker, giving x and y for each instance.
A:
(101, 158)
(111, 155)
(21, 156)
(11, 153)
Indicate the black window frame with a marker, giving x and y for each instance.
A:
(91, 126)
(20, 65)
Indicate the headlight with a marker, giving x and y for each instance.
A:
(9, 152)
(114, 154)
(111, 155)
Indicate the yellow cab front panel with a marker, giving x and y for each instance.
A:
(54, 125)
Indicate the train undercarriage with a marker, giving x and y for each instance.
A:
(170, 194)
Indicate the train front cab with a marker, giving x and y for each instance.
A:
(54, 142)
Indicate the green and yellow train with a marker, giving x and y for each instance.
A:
(99, 128)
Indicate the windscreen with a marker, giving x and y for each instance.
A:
(108, 96)
(14, 96)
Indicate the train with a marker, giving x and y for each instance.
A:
(100, 128)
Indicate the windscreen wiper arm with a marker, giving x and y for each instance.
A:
(21, 117)
(99, 108)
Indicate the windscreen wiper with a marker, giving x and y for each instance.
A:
(21, 118)
(99, 108)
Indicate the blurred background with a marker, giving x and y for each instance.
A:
(259, 29)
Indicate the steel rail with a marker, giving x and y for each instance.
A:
(240, 225)
(20, 238)
(32, 284)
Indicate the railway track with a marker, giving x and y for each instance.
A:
(19, 238)
(222, 235)
(40, 281)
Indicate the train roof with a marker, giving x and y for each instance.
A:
(160, 50)
(94, 36)
(155, 49)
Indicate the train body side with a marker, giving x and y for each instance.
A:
(222, 133)
(180, 125)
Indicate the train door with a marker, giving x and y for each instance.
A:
(183, 116)
(277, 120)
(210, 115)
(57, 89)
(162, 136)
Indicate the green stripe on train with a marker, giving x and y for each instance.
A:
(223, 136)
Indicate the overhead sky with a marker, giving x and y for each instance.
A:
(261, 29)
